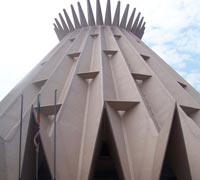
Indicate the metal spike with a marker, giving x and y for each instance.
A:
(124, 18)
(117, 14)
(76, 21)
(91, 21)
(70, 25)
(139, 26)
(99, 18)
(64, 25)
(130, 22)
(108, 14)
(135, 23)
(82, 16)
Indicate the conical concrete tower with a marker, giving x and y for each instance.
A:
(121, 113)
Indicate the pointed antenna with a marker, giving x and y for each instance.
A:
(130, 22)
(82, 16)
(108, 14)
(70, 25)
(139, 26)
(135, 23)
(117, 14)
(90, 14)
(124, 18)
(76, 21)
(64, 25)
(99, 18)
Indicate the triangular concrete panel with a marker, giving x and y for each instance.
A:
(74, 55)
(49, 109)
(142, 77)
(88, 75)
(122, 105)
(40, 83)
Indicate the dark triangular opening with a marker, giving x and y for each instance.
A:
(176, 166)
(29, 162)
(106, 164)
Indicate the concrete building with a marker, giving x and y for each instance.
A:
(100, 106)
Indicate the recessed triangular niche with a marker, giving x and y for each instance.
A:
(29, 161)
(106, 164)
(192, 113)
(110, 53)
(175, 165)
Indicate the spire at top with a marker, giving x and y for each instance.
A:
(64, 26)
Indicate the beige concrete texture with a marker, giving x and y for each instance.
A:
(111, 89)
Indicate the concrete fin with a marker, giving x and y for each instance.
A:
(117, 15)
(94, 35)
(74, 55)
(124, 18)
(117, 36)
(91, 20)
(99, 17)
(76, 21)
(59, 35)
(133, 30)
(110, 53)
(88, 75)
(142, 77)
(122, 105)
(139, 26)
(82, 16)
(70, 25)
(108, 14)
(40, 83)
(49, 109)
(141, 32)
(130, 22)
(64, 25)
(59, 25)
(145, 57)
(182, 84)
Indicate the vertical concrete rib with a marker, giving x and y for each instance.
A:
(82, 16)
(130, 22)
(99, 18)
(135, 23)
(66, 30)
(91, 20)
(71, 27)
(124, 18)
(76, 21)
(117, 15)
(108, 14)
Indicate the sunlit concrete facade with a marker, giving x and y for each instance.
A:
(122, 112)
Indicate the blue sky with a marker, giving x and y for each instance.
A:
(27, 35)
